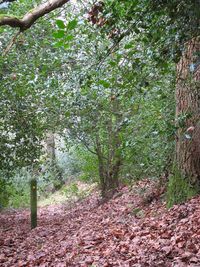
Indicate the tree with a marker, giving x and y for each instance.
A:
(188, 111)
(184, 17)
(100, 107)
(25, 110)
(171, 29)
(96, 119)
(159, 30)
(106, 107)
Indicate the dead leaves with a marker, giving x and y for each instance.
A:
(104, 235)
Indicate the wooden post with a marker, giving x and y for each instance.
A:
(33, 203)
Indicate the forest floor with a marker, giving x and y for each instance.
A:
(125, 231)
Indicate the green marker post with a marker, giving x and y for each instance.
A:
(33, 203)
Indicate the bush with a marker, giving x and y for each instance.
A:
(88, 165)
(15, 191)
(4, 194)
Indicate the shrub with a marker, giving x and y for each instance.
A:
(4, 194)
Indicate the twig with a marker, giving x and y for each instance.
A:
(12, 41)
(112, 48)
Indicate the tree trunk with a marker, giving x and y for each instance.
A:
(50, 147)
(51, 154)
(109, 179)
(108, 173)
(109, 152)
(188, 112)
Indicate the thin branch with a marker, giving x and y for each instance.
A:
(86, 145)
(12, 41)
(29, 18)
(112, 48)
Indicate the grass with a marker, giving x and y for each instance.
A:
(68, 193)
(55, 198)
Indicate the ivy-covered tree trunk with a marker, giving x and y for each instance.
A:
(188, 112)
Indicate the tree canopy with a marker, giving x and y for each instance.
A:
(102, 75)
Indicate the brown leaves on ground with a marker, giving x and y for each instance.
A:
(120, 232)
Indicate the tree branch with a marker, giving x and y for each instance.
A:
(12, 41)
(28, 20)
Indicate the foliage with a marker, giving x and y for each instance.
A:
(103, 80)
(28, 101)
(150, 142)
(76, 191)
(88, 165)
(145, 120)
(15, 191)
(4, 193)
(164, 25)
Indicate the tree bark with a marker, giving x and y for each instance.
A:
(109, 177)
(50, 147)
(188, 112)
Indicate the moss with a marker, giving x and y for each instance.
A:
(179, 189)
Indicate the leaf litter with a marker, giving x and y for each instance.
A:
(125, 231)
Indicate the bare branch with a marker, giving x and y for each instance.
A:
(28, 20)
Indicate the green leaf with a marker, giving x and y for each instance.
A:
(59, 44)
(72, 24)
(59, 34)
(67, 46)
(104, 83)
(60, 24)
(69, 38)
(67, 113)
(112, 63)
(127, 46)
